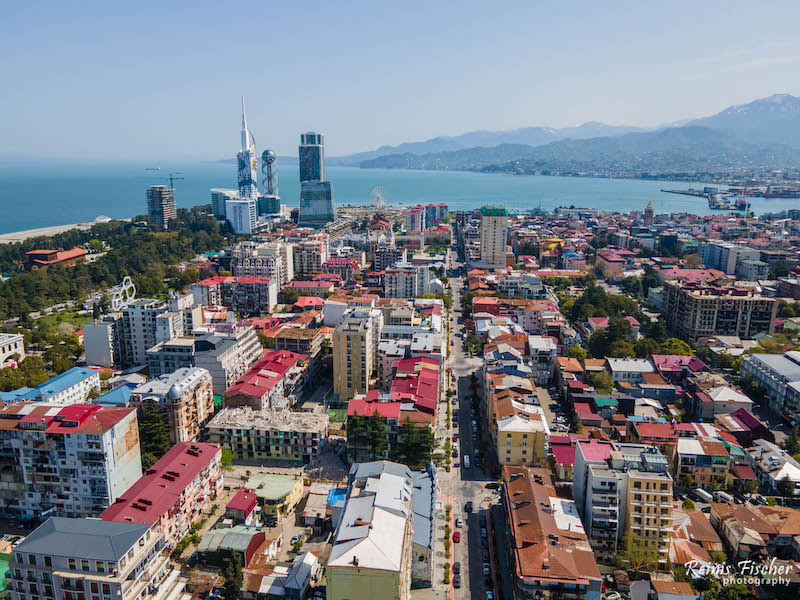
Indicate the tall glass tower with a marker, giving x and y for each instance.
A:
(316, 194)
(312, 157)
(246, 159)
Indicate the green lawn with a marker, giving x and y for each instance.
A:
(70, 316)
(338, 415)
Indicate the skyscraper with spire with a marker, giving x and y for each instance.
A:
(248, 173)
(648, 215)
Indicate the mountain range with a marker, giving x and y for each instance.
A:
(762, 133)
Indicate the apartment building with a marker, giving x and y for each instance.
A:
(302, 341)
(551, 556)
(388, 255)
(346, 268)
(12, 349)
(703, 459)
(494, 236)
(311, 253)
(355, 342)
(73, 559)
(726, 256)
(74, 459)
(146, 322)
(248, 296)
(187, 396)
(274, 382)
(779, 376)
(260, 259)
(173, 494)
(518, 429)
(70, 387)
(693, 310)
(543, 353)
(404, 280)
(104, 341)
(620, 488)
(372, 548)
(525, 285)
(226, 351)
(259, 435)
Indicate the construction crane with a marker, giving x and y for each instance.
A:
(173, 177)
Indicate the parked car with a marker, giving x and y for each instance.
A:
(484, 533)
(485, 554)
(468, 507)
(612, 596)
(459, 522)
(457, 568)
(489, 595)
(455, 452)
(486, 568)
(492, 485)
(297, 537)
(482, 520)
(456, 581)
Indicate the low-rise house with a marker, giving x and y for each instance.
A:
(288, 580)
(628, 369)
(242, 507)
(278, 495)
(174, 493)
(719, 400)
(772, 464)
(744, 427)
(672, 590)
(218, 546)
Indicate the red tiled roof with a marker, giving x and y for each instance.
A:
(266, 373)
(244, 500)
(160, 488)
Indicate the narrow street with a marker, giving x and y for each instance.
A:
(462, 485)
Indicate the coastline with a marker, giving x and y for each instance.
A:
(16, 237)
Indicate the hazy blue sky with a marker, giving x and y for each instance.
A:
(163, 79)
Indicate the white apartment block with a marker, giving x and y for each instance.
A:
(311, 253)
(12, 349)
(269, 259)
(88, 559)
(75, 459)
(404, 280)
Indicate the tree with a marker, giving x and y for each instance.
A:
(96, 310)
(289, 296)
(577, 352)
(693, 261)
(676, 346)
(326, 346)
(266, 342)
(647, 346)
(377, 435)
(786, 487)
(639, 554)
(232, 572)
(601, 382)
(792, 442)
(621, 349)
(688, 504)
(718, 556)
(153, 433)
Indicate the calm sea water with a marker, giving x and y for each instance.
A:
(34, 196)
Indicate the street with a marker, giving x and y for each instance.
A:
(462, 485)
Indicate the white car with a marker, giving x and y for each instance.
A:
(612, 596)
(459, 522)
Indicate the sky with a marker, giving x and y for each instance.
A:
(147, 80)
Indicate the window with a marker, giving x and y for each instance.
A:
(106, 589)
(101, 566)
(32, 559)
(84, 565)
(94, 587)
(48, 561)
(72, 564)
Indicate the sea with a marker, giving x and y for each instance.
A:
(33, 194)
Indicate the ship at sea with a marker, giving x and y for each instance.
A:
(773, 192)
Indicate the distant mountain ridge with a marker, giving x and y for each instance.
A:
(765, 132)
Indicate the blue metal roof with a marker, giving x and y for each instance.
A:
(54, 386)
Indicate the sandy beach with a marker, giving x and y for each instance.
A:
(18, 236)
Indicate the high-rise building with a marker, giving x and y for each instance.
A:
(160, 205)
(75, 459)
(494, 234)
(312, 157)
(268, 205)
(246, 159)
(241, 214)
(146, 322)
(404, 280)
(354, 345)
(316, 194)
(219, 197)
(270, 259)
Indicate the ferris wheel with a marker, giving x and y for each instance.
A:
(378, 196)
